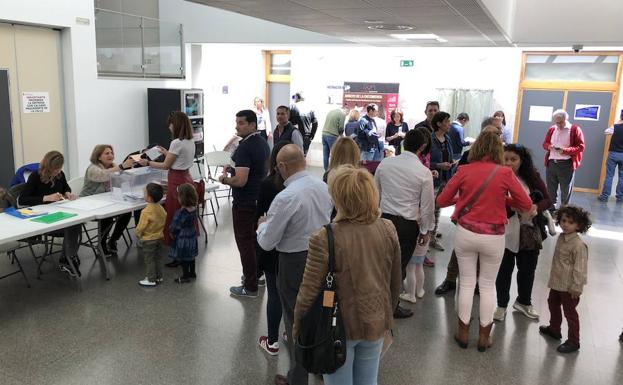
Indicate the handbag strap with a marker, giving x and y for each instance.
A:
(484, 185)
(329, 284)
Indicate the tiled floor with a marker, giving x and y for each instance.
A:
(116, 332)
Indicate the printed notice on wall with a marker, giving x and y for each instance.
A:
(541, 113)
(586, 112)
(35, 102)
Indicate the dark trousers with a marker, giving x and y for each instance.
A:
(291, 269)
(153, 260)
(526, 261)
(555, 300)
(408, 232)
(188, 269)
(306, 142)
(244, 233)
(560, 173)
(121, 223)
(273, 307)
(453, 268)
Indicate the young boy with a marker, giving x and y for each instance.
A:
(568, 276)
(150, 232)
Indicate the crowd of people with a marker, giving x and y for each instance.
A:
(382, 192)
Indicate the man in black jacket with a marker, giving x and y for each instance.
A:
(303, 118)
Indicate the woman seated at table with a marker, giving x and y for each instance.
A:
(48, 185)
(97, 181)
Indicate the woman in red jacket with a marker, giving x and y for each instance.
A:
(484, 190)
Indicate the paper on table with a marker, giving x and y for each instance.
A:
(541, 113)
(86, 204)
(153, 153)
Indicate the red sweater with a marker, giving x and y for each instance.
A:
(576, 145)
(490, 207)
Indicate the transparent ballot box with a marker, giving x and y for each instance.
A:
(130, 184)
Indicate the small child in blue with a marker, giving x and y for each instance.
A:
(184, 232)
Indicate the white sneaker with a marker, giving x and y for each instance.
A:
(526, 310)
(407, 297)
(146, 282)
(499, 314)
(420, 294)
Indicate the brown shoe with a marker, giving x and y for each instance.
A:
(462, 334)
(484, 339)
(281, 380)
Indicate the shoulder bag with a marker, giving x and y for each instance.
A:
(321, 344)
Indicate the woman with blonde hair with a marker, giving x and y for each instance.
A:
(367, 273)
(97, 181)
(47, 185)
(344, 151)
(353, 122)
(484, 190)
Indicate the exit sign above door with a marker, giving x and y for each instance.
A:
(406, 63)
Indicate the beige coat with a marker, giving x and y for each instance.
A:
(367, 273)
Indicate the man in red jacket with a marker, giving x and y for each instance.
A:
(564, 145)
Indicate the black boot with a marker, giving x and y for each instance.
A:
(445, 287)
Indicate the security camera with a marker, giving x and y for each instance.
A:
(577, 47)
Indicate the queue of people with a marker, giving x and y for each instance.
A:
(381, 225)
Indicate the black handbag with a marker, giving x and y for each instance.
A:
(321, 343)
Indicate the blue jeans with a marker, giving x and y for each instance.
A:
(327, 143)
(380, 152)
(369, 154)
(361, 366)
(614, 159)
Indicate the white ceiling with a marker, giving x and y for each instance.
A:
(463, 23)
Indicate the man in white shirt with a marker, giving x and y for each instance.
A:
(408, 198)
(381, 127)
(564, 146)
(303, 207)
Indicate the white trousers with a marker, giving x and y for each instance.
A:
(470, 247)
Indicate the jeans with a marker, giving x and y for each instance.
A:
(560, 173)
(291, 269)
(327, 143)
(244, 219)
(379, 153)
(557, 298)
(369, 155)
(273, 307)
(526, 266)
(473, 249)
(153, 260)
(361, 366)
(615, 159)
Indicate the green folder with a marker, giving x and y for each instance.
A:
(54, 217)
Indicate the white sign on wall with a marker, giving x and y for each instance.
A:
(35, 102)
(541, 113)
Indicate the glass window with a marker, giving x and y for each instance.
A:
(137, 46)
(574, 68)
(280, 64)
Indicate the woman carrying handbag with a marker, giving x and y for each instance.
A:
(365, 287)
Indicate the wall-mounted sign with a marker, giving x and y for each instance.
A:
(586, 112)
(35, 102)
(541, 113)
(406, 63)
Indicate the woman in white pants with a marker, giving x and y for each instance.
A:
(484, 188)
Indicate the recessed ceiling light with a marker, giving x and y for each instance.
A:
(373, 21)
(418, 36)
(390, 27)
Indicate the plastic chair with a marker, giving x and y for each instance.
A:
(217, 159)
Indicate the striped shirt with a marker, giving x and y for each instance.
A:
(570, 264)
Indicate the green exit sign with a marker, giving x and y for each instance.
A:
(406, 63)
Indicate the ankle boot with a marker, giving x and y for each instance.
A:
(462, 334)
(484, 339)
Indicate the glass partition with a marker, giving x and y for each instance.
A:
(572, 68)
(137, 46)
